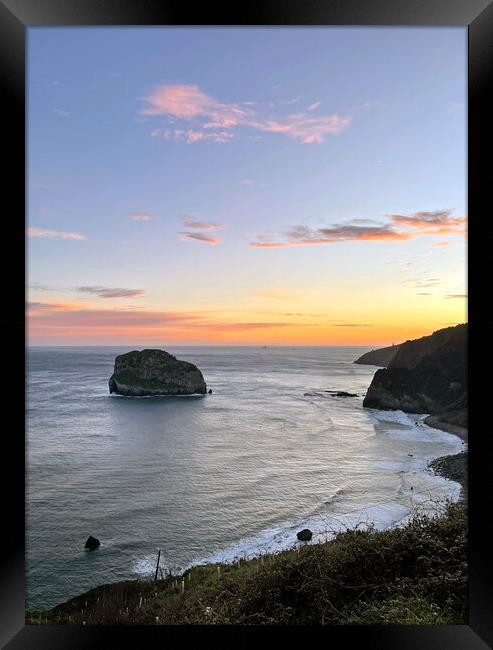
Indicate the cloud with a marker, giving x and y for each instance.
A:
(192, 135)
(68, 320)
(456, 295)
(106, 292)
(41, 305)
(61, 113)
(247, 181)
(206, 239)
(399, 228)
(436, 222)
(201, 231)
(53, 234)
(191, 105)
(192, 223)
(140, 216)
(306, 128)
(304, 235)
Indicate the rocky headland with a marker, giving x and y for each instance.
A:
(155, 372)
(381, 357)
(426, 375)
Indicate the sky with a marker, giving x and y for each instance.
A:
(280, 186)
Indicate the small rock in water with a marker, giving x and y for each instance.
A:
(304, 535)
(341, 393)
(92, 543)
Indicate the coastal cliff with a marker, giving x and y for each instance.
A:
(154, 372)
(381, 357)
(426, 375)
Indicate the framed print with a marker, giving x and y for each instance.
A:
(246, 269)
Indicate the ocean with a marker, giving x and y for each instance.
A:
(213, 477)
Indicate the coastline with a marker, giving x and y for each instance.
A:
(453, 467)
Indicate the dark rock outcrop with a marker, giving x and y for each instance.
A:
(341, 393)
(426, 375)
(381, 357)
(155, 372)
(92, 543)
(304, 535)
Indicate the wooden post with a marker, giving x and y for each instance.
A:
(157, 565)
(218, 571)
(182, 585)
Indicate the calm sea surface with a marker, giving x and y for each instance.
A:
(209, 477)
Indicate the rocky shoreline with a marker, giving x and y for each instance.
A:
(455, 466)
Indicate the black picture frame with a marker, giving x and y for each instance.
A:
(15, 17)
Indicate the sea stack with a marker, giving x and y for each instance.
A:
(155, 372)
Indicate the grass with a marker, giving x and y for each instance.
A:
(415, 574)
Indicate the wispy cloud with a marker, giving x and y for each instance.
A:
(306, 128)
(192, 135)
(436, 222)
(399, 228)
(107, 292)
(214, 120)
(59, 319)
(198, 230)
(304, 235)
(200, 237)
(53, 234)
(456, 295)
(61, 113)
(140, 216)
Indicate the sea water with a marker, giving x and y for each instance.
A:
(213, 477)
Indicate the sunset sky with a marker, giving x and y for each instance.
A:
(302, 186)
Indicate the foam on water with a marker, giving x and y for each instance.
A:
(327, 521)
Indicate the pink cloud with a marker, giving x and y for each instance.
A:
(201, 231)
(303, 235)
(435, 222)
(188, 103)
(420, 223)
(53, 234)
(196, 236)
(306, 128)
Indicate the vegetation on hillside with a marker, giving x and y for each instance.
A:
(414, 574)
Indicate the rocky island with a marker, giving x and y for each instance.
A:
(155, 372)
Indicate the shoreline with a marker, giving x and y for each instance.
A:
(453, 467)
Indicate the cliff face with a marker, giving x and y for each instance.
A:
(381, 357)
(426, 375)
(155, 372)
